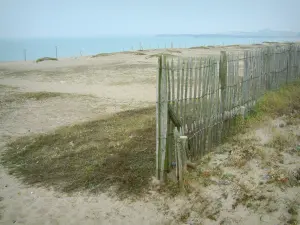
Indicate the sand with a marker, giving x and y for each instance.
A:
(106, 84)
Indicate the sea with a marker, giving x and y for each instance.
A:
(33, 48)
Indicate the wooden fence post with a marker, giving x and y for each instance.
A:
(161, 120)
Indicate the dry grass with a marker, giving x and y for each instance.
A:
(37, 96)
(3, 86)
(174, 51)
(284, 101)
(134, 52)
(200, 47)
(115, 152)
(244, 150)
(161, 54)
(46, 59)
(293, 212)
(1, 207)
(235, 46)
(281, 141)
(270, 42)
(102, 54)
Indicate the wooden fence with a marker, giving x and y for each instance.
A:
(201, 96)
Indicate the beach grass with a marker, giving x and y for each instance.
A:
(8, 87)
(161, 54)
(200, 47)
(12, 97)
(102, 54)
(36, 96)
(46, 59)
(280, 102)
(118, 151)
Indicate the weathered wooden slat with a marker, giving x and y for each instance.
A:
(178, 88)
(186, 84)
(245, 84)
(173, 82)
(173, 117)
(200, 103)
(191, 80)
(196, 103)
(216, 105)
(168, 73)
(223, 84)
(169, 83)
(203, 103)
(206, 107)
(180, 149)
(182, 102)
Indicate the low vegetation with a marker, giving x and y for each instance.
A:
(284, 101)
(46, 59)
(7, 87)
(37, 96)
(117, 152)
(234, 46)
(102, 54)
(200, 47)
(270, 42)
(134, 52)
(161, 54)
(174, 51)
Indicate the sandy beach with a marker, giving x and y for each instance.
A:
(100, 86)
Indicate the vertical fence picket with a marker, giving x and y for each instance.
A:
(178, 102)
(182, 101)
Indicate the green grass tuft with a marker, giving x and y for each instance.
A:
(8, 87)
(102, 54)
(37, 96)
(280, 102)
(161, 54)
(200, 47)
(46, 59)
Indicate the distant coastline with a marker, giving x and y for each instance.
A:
(22, 49)
(267, 33)
(221, 36)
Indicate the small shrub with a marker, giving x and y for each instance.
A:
(161, 54)
(102, 54)
(46, 59)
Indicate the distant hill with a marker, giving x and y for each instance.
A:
(272, 33)
(260, 33)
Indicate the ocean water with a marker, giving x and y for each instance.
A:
(14, 49)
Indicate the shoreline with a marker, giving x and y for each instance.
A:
(127, 51)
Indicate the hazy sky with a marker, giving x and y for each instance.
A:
(56, 18)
